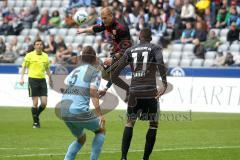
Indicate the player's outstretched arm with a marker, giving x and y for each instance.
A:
(85, 30)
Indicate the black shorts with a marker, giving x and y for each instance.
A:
(37, 87)
(144, 109)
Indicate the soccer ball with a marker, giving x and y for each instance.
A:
(80, 17)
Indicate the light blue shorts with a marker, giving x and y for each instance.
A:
(77, 127)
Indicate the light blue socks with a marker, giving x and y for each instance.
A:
(97, 146)
(73, 149)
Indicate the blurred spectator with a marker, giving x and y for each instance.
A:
(54, 20)
(136, 7)
(212, 42)
(13, 46)
(199, 50)
(92, 15)
(221, 18)
(141, 24)
(232, 16)
(68, 20)
(74, 4)
(69, 56)
(27, 18)
(120, 17)
(188, 34)
(105, 3)
(225, 60)
(208, 19)
(61, 43)
(51, 47)
(116, 5)
(34, 10)
(25, 46)
(178, 6)
(2, 46)
(6, 28)
(172, 19)
(43, 21)
(233, 33)
(188, 12)
(200, 33)
(162, 28)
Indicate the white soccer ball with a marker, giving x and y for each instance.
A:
(80, 17)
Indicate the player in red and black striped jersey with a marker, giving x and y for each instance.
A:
(121, 41)
(145, 60)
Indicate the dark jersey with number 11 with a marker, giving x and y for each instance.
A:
(145, 59)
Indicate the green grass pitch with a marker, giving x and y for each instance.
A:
(207, 136)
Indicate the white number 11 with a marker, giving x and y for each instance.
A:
(145, 55)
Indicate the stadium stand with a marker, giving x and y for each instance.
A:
(13, 23)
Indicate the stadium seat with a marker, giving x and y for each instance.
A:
(53, 31)
(39, 4)
(19, 61)
(188, 47)
(17, 9)
(89, 39)
(224, 32)
(234, 48)
(11, 3)
(173, 62)
(185, 62)
(79, 39)
(9, 38)
(223, 48)
(155, 39)
(25, 32)
(63, 32)
(187, 54)
(27, 3)
(21, 39)
(87, 44)
(56, 3)
(72, 32)
(208, 63)
(210, 54)
(47, 3)
(197, 62)
(19, 3)
(52, 9)
(133, 31)
(34, 32)
(175, 55)
(177, 47)
(64, 3)
(68, 39)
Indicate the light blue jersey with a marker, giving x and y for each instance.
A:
(78, 90)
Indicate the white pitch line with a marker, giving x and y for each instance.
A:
(112, 151)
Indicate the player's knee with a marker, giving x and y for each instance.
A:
(43, 104)
(130, 123)
(101, 130)
(153, 125)
(82, 139)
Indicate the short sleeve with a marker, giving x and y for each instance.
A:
(96, 79)
(26, 61)
(98, 28)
